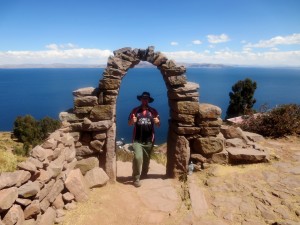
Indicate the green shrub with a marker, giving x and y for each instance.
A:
(278, 122)
(241, 98)
(32, 132)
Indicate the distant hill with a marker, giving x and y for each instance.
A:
(140, 65)
(54, 65)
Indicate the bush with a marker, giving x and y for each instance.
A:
(241, 98)
(278, 122)
(32, 132)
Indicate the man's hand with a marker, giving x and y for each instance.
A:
(132, 120)
(156, 121)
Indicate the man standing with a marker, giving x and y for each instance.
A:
(143, 118)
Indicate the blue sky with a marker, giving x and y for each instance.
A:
(236, 32)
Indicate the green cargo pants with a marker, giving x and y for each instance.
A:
(141, 159)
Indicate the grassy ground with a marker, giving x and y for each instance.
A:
(9, 160)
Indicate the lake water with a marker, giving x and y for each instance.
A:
(47, 92)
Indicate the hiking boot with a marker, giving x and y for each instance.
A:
(137, 183)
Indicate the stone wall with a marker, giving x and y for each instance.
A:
(52, 179)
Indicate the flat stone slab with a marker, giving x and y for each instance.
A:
(198, 201)
(246, 155)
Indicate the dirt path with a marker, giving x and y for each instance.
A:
(155, 202)
(256, 194)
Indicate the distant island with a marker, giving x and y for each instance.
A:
(140, 65)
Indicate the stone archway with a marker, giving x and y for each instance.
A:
(191, 126)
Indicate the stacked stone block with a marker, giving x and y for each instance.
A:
(50, 181)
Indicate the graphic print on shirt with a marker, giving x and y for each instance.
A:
(144, 121)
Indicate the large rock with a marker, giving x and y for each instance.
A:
(68, 197)
(209, 122)
(32, 210)
(185, 130)
(50, 143)
(178, 154)
(44, 176)
(14, 216)
(208, 111)
(76, 184)
(209, 131)
(233, 132)
(176, 80)
(58, 202)
(118, 63)
(16, 178)
(102, 112)
(85, 101)
(55, 190)
(28, 166)
(40, 153)
(29, 189)
(220, 158)
(99, 135)
(38, 164)
(184, 107)
(235, 142)
(185, 95)
(97, 126)
(96, 177)
(110, 147)
(109, 84)
(246, 155)
(184, 118)
(48, 217)
(87, 164)
(85, 150)
(97, 145)
(198, 158)
(87, 91)
(188, 88)
(46, 189)
(254, 137)
(160, 59)
(208, 145)
(198, 201)
(7, 198)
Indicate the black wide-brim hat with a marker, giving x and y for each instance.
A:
(145, 95)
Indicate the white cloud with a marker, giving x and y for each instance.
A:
(52, 46)
(215, 39)
(278, 40)
(56, 55)
(275, 49)
(174, 43)
(197, 42)
(270, 58)
(61, 46)
(247, 49)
